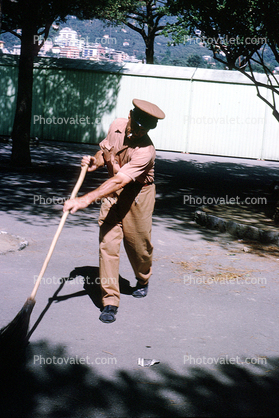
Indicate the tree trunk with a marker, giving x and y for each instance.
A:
(276, 214)
(0, 16)
(21, 127)
(149, 49)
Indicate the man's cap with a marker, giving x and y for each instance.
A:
(146, 114)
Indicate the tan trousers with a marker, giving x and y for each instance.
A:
(127, 217)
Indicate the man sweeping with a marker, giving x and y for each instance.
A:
(128, 198)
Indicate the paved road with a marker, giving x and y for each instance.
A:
(209, 320)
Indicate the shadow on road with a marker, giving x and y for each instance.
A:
(184, 186)
(36, 195)
(92, 288)
(40, 387)
(52, 383)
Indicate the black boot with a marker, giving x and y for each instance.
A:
(140, 290)
(108, 314)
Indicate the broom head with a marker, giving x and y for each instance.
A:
(13, 337)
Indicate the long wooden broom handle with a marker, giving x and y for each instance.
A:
(59, 229)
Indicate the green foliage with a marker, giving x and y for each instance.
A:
(41, 14)
(229, 28)
(143, 17)
(194, 60)
(240, 33)
(30, 21)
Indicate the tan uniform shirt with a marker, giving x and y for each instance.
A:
(134, 158)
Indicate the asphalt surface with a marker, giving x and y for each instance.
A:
(209, 321)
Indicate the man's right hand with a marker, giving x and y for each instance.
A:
(90, 161)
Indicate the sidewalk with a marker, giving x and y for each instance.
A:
(209, 320)
(254, 222)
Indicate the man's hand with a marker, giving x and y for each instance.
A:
(93, 162)
(75, 204)
(90, 161)
(111, 185)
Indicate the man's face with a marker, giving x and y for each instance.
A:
(133, 130)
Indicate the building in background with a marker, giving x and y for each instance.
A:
(69, 52)
(68, 44)
(16, 50)
(69, 37)
(47, 47)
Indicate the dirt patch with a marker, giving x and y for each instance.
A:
(261, 249)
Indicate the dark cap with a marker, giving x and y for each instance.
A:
(146, 114)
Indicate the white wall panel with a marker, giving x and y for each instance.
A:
(211, 112)
(225, 119)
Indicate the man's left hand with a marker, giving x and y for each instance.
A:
(75, 204)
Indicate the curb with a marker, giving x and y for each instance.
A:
(236, 229)
(11, 243)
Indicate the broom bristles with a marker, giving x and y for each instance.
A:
(14, 335)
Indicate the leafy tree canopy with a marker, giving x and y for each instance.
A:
(41, 14)
(31, 20)
(238, 32)
(142, 16)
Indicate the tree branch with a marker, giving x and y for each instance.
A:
(13, 33)
(139, 30)
(46, 33)
(258, 84)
